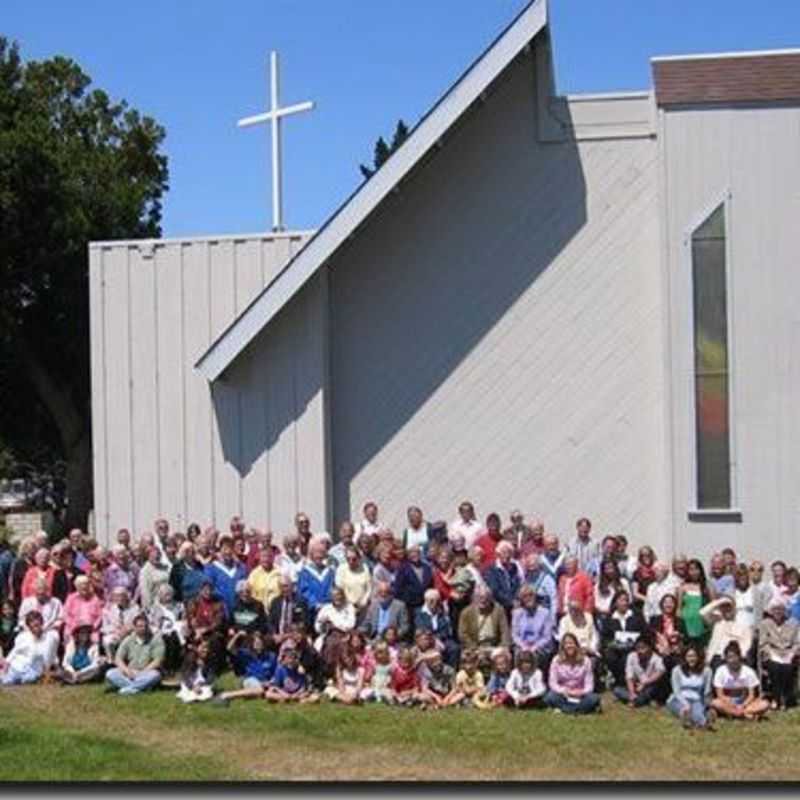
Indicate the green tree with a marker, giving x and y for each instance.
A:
(383, 150)
(75, 166)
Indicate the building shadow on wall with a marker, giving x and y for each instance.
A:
(417, 291)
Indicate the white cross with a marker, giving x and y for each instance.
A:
(274, 116)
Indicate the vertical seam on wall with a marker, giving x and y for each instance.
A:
(183, 391)
(211, 393)
(130, 386)
(106, 505)
(159, 497)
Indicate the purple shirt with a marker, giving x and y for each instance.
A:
(114, 576)
(532, 630)
(573, 677)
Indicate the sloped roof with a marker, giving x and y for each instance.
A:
(343, 222)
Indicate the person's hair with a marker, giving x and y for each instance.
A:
(792, 573)
(604, 583)
(621, 539)
(583, 521)
(526, 657)
(732, 648)
(469, 656)
(619, 593)
(646, 638)
(579, 655)
(33, 616)
(701, 660)
(778, 563)
(142, 616)
(674, 600)
(702, 579)
(370, 504)
(493, 518)
(347, 654)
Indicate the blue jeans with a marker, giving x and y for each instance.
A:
(143, 681)
(697, 709)
(586, 705)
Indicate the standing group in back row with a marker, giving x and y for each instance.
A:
(440, 615)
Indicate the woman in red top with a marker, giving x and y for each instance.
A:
(575, 585)
(42, 568)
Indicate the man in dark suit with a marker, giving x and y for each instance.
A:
(385, 612)
(286, 609)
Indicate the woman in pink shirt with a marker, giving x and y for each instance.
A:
(571, 682)
(83, 607)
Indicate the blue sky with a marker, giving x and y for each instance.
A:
(197, 67)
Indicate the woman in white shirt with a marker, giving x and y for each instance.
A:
(334, 621)
(34, 654)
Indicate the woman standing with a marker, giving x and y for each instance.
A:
(693, 594)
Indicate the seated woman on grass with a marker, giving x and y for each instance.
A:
(378, 685)
(82, 661)
(33, 656)
(620, 632)
(197, 675)
(778, 646)
(349, 680)
(254, 662)
(645, 676)
(525, 686)
(736, 688)
(290, 683)
(571, 680)
(690, 700)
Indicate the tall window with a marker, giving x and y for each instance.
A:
(712, 405)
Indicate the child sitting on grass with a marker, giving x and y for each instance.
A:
(526, 686)
(405, 682)
(438, 681)
(469, 679)
(392, 641)
(197, 674)
(290, 684)
(349, 679)
(495, 693)
(378, 688)
(363, 652)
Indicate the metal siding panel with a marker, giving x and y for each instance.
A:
(118, 382)
(226, 421)
(98, 367)
(171, 366)
(199, 448)
(144, 386)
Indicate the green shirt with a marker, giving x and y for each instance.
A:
(137, 654)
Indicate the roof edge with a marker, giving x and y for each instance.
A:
(346, 219)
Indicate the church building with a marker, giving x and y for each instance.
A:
(578, 305)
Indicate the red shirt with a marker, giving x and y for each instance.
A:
(488, 544)
(404, 680)
(578, 587)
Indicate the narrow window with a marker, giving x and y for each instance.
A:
(711, 369)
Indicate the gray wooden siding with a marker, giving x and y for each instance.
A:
(753, 153)
(161, 445)
(497, 335)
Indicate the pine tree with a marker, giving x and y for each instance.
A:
(383, 151)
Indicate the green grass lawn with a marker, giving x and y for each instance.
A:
(50, 733)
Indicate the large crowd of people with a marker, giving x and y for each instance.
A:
(458, 614)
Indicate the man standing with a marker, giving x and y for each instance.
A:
(465, 525)
(583, 547)
(517, 533)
